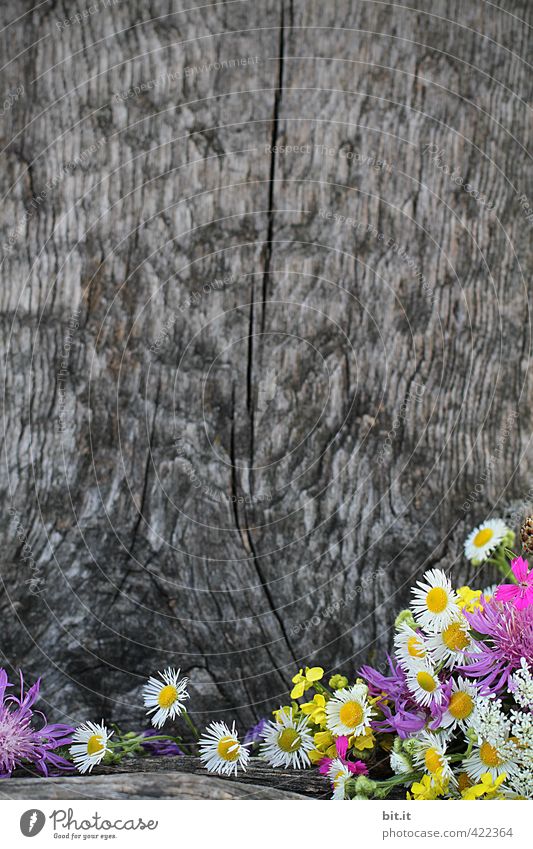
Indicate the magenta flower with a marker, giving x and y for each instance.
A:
(521, 594)
(506, 637)
(21, 744)
(355, 767)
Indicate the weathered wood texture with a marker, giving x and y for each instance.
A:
(241, 477)
(172, 778)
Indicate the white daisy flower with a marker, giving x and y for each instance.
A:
(410, 647)
(89, 745)
(165, 697)
(461, 705)
(430, 755)
(489, 721)
(521, 685)
(339, 774)
(221, 751)
(287, 742)
(449, 644)
(488, 758)
(434, 603)
(424, 684)
(348, 711)
(484, 539)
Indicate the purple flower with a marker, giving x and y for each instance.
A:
(394, 685)
(401, 713)
(255, 734)
(506, 637)
(20, 742)
(407, 719)
(161, 748)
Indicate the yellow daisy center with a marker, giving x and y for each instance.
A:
(228, 748)
(289, 740)
(351, 714)
(461, 705)
(489, 755)
(455, 637)
(167, 696)
(338, 777)
(463, 781)
(95, 744)
(483, 537)
(433, 760)
(414, 647)
(426, 681)
(436, 600)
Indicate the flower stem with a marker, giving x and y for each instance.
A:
(322, 690)
(191, 724)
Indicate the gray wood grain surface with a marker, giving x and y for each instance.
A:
(171, 778)
(250, 392)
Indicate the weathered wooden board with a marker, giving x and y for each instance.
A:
(149, 785)
(237, 426)
(171, 778)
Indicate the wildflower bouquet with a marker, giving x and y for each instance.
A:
(449, 716)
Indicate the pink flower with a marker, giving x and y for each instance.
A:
(520, 594)
(355, 767)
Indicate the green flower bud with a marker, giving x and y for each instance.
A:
(337, 682)
(509, 538)
(405, 617)
(409, 746)
(364, 786)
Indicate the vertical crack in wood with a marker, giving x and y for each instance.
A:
(267, 252)
(273, 143)
(246, 538)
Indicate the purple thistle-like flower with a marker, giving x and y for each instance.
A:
(255, 734)
(407, 718)
(20, 742)
(394, 685)
(507, 638)
(401, 713)
(161, 748)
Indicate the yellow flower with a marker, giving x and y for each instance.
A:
(315, 756)
(303, 681)
(363, 741)
(469, 599)
(289, 710)
(431, 787)
(325, 744)
(487, 787)
(316, 710)
(423, 789)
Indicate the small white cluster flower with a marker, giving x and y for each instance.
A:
(520, 780)
(521, 685)
(489, 721)
(522, 727)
